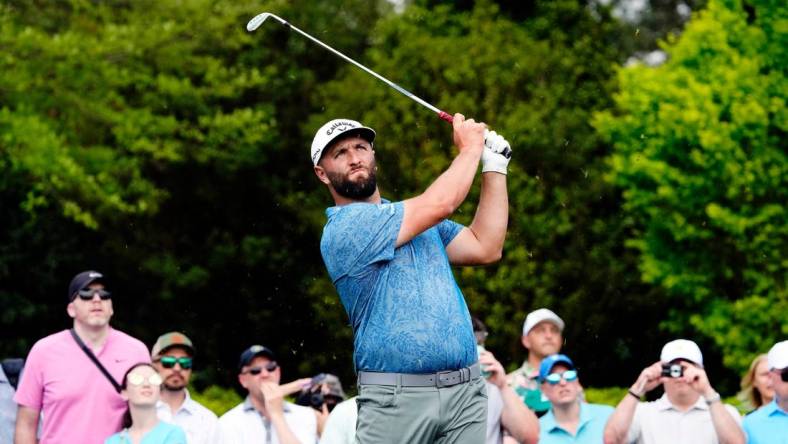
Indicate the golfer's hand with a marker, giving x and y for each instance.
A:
(468, 134)
(492, 156)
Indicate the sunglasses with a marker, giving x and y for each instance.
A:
(170, 361)
(271, 366)
(86, 294)
(137, 379)
(784, 375)
(555, 378)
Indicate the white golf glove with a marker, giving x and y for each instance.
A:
(492, 155)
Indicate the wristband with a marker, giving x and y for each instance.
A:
(634, 394)
(712, 399)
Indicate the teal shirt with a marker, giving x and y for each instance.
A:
(767, 425)
(590, 429)
(163, 433)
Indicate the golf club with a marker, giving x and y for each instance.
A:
(258, 20)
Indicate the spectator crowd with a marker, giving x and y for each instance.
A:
(94, 384)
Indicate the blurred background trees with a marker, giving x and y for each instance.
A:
(162, 144)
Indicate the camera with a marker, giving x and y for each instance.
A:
(672, 370)
(323, 389)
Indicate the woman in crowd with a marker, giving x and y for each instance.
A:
(756, 388)
(140, 388)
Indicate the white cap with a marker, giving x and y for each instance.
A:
(540, 315)
(778, 356)
(333, 130)
(681, 349)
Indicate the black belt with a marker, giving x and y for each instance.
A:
(439, 379)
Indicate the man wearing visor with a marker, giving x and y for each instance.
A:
(173, 357)
(71, 377)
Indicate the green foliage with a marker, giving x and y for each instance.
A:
(700, 156)
(217, 399)
(605, 395)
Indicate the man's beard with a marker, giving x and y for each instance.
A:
(173, 388)
(354, 190)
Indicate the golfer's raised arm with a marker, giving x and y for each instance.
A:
(482, 241)
(449, 190)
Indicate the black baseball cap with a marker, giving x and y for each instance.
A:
(253, 352)
(81, 281)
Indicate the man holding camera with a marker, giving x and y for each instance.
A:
(689, 412)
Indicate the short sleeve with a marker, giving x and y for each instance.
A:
(30, 392)
(635, 428)
(734, 413)
(448, 230)
(358, 235)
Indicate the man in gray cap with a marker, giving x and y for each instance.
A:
(418, 371)
(73, 377)
(173, 357)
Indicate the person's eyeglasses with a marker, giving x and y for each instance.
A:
(86, 294)
(784, 375)
(269, 367)
(170, 361)
(555, 378)
(138, 379)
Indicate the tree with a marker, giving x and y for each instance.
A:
(700, 156)
(154, 141)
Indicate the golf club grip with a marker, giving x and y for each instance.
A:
(507, 153)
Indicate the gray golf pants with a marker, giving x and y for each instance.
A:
(416, 415)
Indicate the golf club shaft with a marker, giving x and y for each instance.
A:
(260, 18)
(442, 114)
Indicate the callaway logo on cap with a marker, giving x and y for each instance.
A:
(333, 130)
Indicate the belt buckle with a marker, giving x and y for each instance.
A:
(439, 380)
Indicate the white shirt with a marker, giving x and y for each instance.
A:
(659, 422)
(494, 413)
(243, 424)
(340, 426)
(200, 424)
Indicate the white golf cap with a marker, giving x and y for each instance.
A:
(334, 129)
(541, 315)
(778, 356)
(681, 349)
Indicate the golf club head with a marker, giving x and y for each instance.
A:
(258, 20)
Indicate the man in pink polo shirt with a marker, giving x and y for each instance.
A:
(79, 403)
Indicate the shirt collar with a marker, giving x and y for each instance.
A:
(186, 406)
(330, 211)
(549, 424)
(664, 403)
(528, 371)
(773, 409)
(249, 406)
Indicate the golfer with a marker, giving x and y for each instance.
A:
(415, 352)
